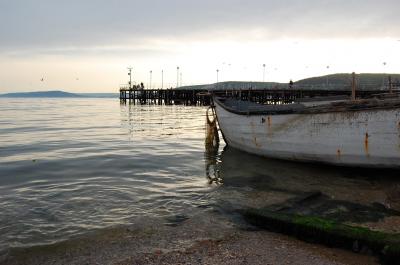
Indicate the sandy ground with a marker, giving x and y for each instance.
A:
(210, 240)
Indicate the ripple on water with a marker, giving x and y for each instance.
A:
(82, 164)
(79, 165)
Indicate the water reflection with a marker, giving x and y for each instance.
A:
(211, 150)
(263, 182)
(155, 123)
(211, 159)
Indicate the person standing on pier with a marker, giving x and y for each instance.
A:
(291, 84)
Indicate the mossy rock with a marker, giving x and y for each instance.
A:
(328, 232)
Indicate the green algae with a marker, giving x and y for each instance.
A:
(328, 232)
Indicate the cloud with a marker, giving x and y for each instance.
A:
(99, 38)
(57, 24)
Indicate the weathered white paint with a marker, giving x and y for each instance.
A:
(369, 138)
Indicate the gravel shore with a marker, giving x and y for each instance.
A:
(251, 248)
(211, 240)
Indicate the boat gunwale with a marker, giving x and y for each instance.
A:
(332, 107)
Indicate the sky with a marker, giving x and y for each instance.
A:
(87, 45)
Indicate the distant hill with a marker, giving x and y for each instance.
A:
(365, 81)
(41, 94)
(236, 85)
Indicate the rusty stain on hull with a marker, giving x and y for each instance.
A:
(256, 143)
(268, 128)
(366, 144)
(253, 132)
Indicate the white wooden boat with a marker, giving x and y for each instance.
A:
(361, 133)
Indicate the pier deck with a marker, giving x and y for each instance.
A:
(203, 97)
(165, 96)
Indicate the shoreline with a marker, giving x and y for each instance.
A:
(210, 240)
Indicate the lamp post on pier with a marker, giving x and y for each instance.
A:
(263, 72)
(177, 76)
(130, 77)
(162, 79)
(217, 77)
(327, 76)
(384, 73)
(151, 73)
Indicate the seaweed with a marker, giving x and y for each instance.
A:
(328, 232)
(318, 204)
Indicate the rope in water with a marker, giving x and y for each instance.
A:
(212, 138)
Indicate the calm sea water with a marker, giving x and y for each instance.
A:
(71, 166)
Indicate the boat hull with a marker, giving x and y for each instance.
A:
(366, 138)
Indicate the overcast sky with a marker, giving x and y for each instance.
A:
(86, 45)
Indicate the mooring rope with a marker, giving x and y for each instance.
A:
(212, 138)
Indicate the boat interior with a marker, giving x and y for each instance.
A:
(308, 104)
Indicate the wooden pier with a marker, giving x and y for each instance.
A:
(166, 96)
(203, 97)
